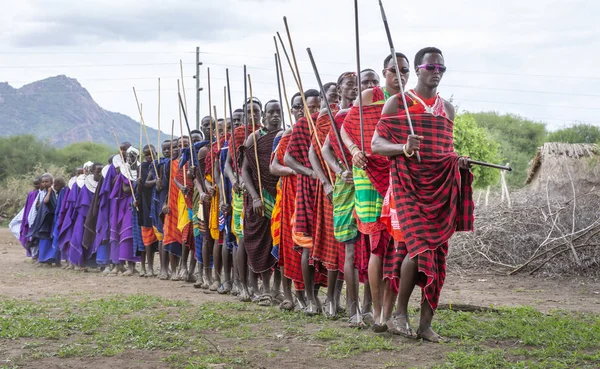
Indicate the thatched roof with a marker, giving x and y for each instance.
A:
(554, 159)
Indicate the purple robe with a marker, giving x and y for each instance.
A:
(121, 223)
(66, 227)
(60, 201)
(80, 212)
(103, 221)
(31, 196)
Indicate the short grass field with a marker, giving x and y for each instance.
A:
(174, 333)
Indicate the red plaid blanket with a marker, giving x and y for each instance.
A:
(339, 121)
(433, 198)
(378, 166)
(325, 247)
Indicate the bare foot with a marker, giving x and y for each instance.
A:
(430, 336)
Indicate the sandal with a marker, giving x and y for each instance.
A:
(311, 309)
(279, 297)
(287, 305)
(395, 326)
(379, 328)
(224, 289)
(434, 337)
(329, 310)
(214, 286)
(356, 321)
(265, 300)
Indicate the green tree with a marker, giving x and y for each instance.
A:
(22, 154)
(578, 133)
(74, 155)
(519, 139)
(475, 142)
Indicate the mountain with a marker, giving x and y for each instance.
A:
(60, 110)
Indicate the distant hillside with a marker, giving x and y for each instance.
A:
(61, 110)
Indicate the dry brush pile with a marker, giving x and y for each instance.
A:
(552, 227)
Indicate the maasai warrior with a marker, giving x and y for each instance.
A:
(229, 243)
(432, 199)
(184, 194)
(172, 234)
(67, 218)
(371, 178)
(125, 240)
(289, 257)
(40, 231)
(326, 250)
(144, 204)
(96, 246)
(233, 172)
(258, 206)
(103, 223)
(159, 198)
(281, 225)
(212, 174)
(85, 193)
(297, 159)
(60, 188)
(206, 191)
(197, 210)
(31, 196)
(345, 227)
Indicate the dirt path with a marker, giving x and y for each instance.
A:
(21, 279)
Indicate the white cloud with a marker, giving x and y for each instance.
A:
(513, 45)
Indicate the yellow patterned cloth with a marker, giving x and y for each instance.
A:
(183, 217)
(213, 221)
(276, 217)
(238, 215)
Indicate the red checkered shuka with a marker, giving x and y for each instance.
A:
(378, 166)
(214, 155)
(289, 259)
(298, 149)
(433, 199)
(325, 247)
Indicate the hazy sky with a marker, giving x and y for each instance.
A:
(534, 58)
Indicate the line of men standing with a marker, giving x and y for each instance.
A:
(304, 207)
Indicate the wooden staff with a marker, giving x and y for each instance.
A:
(225, 110)
(140, 110)
(287, 104)
(255, 145)
(212, 159)
(245, 106)
(181, 136)
(308, 117)
(489, 165)
(183, 87)
(130, 175)
(393, 52)
(299, 79)
(143, 123)
(218, 161)
(360, 104)
(331, 117)
(279, 90)
(232, 151)
(187, 124)
(158, 146)
(171, 162)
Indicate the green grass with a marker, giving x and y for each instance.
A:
(231, 334)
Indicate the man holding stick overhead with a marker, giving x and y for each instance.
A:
(262, 190)
(433, 198)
